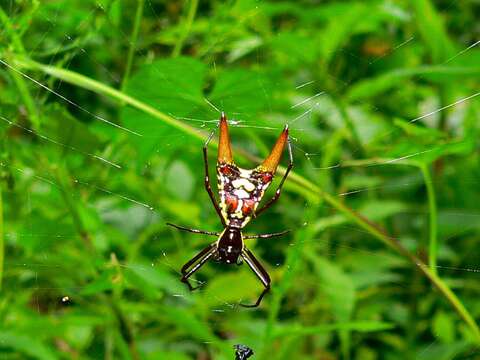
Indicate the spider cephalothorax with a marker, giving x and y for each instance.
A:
(240, 192)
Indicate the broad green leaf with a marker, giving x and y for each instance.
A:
(340, 292)
(360, 181)
(423, 132)
(241, 93)
(293, 49)
(244, 47)
(103, 283)
(173, 86)
(338, 288)
(359, 326)
(179, 180)
(189, 323)
(61, 127)
(414, 151)
(377, 85)
(337, 32)
(154, 276)
(28, 345)
(455, 222)
(431, 26)
(374, 210)
(166, 355)
(444, 327)
(232, 287)
(436, 351)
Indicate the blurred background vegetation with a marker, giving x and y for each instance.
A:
(104, 107)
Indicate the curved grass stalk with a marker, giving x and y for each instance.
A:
(2, 244)
(432, 212)
(301, 185)
(192, 10)
(17, 79)
(133, 43)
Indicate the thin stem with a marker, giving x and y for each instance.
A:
(17, 78)
(62, 180)
(291, 265)
(349, 124)
(392, 242)
(95, 86)
(16, 41)
(432, 211)
(133, 43)
(301, 185)
(2, 242)
(186, 28)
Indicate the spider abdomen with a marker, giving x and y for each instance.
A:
(230, 246)
(240, 192)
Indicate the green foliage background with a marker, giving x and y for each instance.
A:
(103, 114)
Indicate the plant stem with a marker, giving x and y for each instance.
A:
(17, 79)
(133, 43)
(432, 211)
(186, 28)
(62, 180)
(291, 265)
(308, 189)
(2, 241)
(349, 124)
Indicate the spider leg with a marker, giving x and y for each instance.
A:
(266, 236)
(196, 263)
(261, 273)
(207, 178)
(279, 189)
(195, 231)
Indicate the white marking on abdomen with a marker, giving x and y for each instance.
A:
(247, 185)
(241, 194)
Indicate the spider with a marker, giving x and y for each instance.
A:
(240, 192)
(242, 352)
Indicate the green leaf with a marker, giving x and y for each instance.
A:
(340, 292)
(186, 320)
(179, 180)
(172, 86)
(435, 351)
(293, 49)
(99, 285)
(150, 276)
(359, 326)
(60, 126)
(338, 288)
(246, 289)
(242, 93)
(414, 151)
(244, 47)
(371, 87)
(337, 32)
(169, 85)
(431, 27)
(374, 210)
(444, 327)
(453, 222)
(423, 132)
(28, 345)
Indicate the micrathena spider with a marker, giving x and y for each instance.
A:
(240, 192)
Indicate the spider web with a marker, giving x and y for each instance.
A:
(310, 102)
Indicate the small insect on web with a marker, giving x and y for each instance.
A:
(242, 352)
(240, 192)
